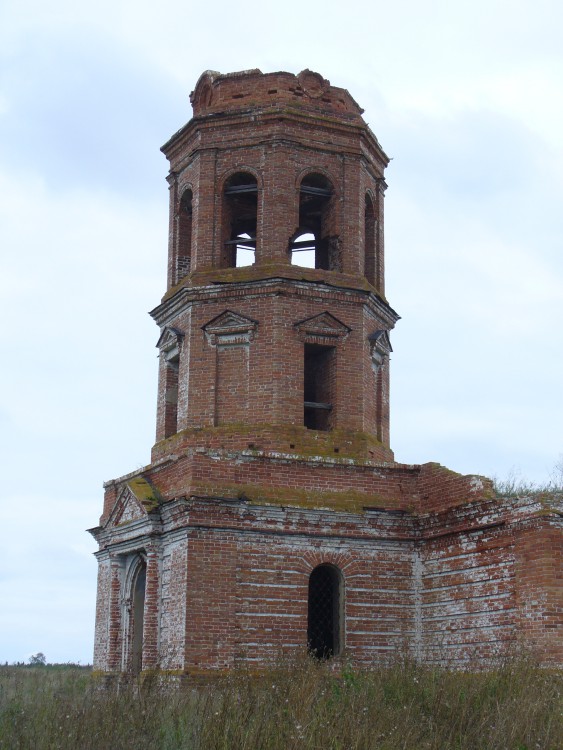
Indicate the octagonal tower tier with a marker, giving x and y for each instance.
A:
(274, 326)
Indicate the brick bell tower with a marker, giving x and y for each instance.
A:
(272, 517)
(275, 324)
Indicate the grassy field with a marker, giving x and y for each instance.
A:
(294, 706)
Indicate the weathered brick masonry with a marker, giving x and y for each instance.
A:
(273, 516)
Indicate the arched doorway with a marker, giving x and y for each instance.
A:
(325, 606)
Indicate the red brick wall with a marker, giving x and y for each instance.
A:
(539, 576)
(241, 501)
(467, 596)
(460, 588)
(266, 381)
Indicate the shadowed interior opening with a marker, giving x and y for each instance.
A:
(318, 386)
(138, 614)
(323, 624)
(240, 211)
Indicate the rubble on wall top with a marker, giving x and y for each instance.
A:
(219, 92)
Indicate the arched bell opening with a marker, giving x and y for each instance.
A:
(370, 260)
(240, 216)
(316, 238)
(184, 234)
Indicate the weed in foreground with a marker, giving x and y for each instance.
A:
(293, 706)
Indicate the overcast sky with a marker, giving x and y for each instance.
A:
(466, 97)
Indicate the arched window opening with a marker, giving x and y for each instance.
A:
(137, 617)
(325, 606)
(317, 226)
(240, 211)
(184, 255)
(369, 242)
(319, 382)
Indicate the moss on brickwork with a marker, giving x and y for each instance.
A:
(270, 271)
(439, 467)
(551, 504)
(289, 439)
(144, 492)
(347, 501)
(547, 513)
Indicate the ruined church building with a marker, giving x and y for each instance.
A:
(273, 518)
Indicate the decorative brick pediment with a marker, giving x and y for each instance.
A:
(380, 347)
(322, 329)
(135, 500)
(126, 509)
(170, 342)
(230, 329)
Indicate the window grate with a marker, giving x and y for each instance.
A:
(323, 627)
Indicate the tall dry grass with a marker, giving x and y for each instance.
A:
(302, 705)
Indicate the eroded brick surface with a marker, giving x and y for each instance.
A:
(272, 456)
